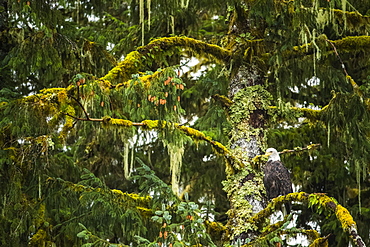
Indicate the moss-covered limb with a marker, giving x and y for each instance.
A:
(146, 80)
(297, 149)
(141, 203)
(225, 101)
(273, 235)
(135, 60)
(320, 242)
(320, 203)
(156, 124)
(345, 45)
(215, 230)
(311, 114)
(356, 88)
(353, 19)
(353, 43)
(308, 113)
(258, 159)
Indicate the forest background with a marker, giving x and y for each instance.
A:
(142, 122)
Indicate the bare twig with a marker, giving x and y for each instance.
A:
(340, 59)
(83, 108)
(309, 147)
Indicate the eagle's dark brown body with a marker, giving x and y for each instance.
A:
(277, 179)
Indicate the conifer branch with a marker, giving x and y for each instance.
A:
(259, 158)
(129, 199)
(134, 60)
(336, 53)
(318, 202)
(308, 113)
(152, 124)
(347, 44)
(353, 83)
(298, 149)
(83, 119)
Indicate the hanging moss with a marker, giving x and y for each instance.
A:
(175, 151)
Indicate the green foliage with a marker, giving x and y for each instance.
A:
(96, 131)
(181, 222)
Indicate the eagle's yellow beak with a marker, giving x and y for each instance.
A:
(267, 154)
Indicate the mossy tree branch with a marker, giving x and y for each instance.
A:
(196, 135)
(320, 203)
(134, 61)
(345, 45)
(118, 196)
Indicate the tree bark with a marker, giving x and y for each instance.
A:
(248, 115)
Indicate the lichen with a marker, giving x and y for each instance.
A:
(240, 187)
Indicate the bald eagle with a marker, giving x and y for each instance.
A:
(277, 177)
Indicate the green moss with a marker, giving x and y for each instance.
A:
(51, 90)
(151, 124)
(345, 45)
(38, 239)
(239, 187)
(123, 71)
(353, 43)
(120, 122)
(196, 134)
(142, 200)
(318, 202)
(344, 217)
(120, 197)
(223, 99)
(320, 242)
(134, 61)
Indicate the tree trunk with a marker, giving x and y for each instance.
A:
(245, 187)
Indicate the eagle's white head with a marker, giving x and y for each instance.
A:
(273, 154)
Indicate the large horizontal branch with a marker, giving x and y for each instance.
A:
(156, 124)
(345, 45)
(127, 200)
(352, 18)
(134, 61)
(258, 159)
(318, 202)
(142, 203)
